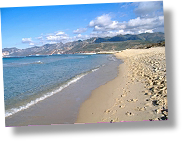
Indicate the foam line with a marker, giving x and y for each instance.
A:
(23, 107)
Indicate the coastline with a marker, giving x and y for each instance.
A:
(138, 93)
(62, 107)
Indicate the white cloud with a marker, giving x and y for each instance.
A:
(145, 31)
(103, 34)
(150, 19)
(57, 38)
(98, 28)
(124, 32)
(113, 25)
(79, 37)
(26, 40)
(52, 42)
(133, 26)
(39, 38)
(109, 33)
(80, 30)
(52, 38)
(125, 5)
(143, 24)
(148, 9)
(31, 44)
(140, 22)
(104, 23)
(149, 31)
(60, 33)
(101, 21)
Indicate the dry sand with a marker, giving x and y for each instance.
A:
(138, 93)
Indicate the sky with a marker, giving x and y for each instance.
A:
(9, 38)
(24, 27)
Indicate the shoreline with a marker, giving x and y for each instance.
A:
(62, 107)
(138, 93)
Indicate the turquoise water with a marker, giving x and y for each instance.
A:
(29, 80)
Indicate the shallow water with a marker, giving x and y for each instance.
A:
(29, 80)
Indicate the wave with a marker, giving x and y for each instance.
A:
(22, 64)
(12, 111)
(112, 58)
(37, 62)
(93, 70)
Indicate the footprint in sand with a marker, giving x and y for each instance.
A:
(140, 108)
(114, 120)
(118, 100)
(123, 95)
(122, 106)
(129, 114)
(110, 111)
(107, 111)
(132, 100)
(114, 112)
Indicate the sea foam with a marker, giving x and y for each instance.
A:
(12, 111)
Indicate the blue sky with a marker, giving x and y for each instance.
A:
(24, 27)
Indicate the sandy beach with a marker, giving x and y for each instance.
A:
(138, 93)
(63, 106)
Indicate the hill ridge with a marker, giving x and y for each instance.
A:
(94, 44)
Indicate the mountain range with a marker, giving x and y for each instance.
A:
(95, 44)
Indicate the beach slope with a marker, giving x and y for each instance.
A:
(138, 93)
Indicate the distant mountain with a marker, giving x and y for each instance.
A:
(152, 37)
(95, 44)
(117, 43)
(106, 46)
(46, 49)
(10, 50)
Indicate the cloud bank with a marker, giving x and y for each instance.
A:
(148, 18)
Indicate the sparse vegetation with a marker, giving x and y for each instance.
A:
(116, 43)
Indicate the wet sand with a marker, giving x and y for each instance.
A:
(138, 93)
(63, 107)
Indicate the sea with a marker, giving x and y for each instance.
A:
(30, 80)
